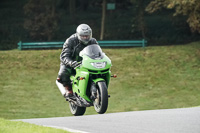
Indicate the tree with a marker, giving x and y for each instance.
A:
(139, 22)
(41, 19)
(72, 10)
(103, 19)
(190, 8)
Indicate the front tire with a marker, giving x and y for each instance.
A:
(76, 110)
(101, 101)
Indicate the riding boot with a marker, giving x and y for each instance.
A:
(69, 92)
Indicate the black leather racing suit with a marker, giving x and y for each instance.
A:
(70, 53)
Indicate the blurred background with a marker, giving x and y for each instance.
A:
(160, 22)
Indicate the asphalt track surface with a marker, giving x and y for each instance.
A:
(185, 120)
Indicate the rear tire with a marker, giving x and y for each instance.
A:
(76, 110)
(101, 102)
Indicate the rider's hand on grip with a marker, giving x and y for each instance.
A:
(75, 64)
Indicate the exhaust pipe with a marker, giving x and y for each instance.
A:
(61, 87)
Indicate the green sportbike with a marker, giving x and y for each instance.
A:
(90, 83)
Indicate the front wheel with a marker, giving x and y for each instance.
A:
(76, 110)
(101, 101)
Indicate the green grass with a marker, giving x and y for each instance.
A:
(148, 78)
(22, 127)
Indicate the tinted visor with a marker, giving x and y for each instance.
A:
(85, 37)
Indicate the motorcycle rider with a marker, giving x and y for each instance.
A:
(69, 56)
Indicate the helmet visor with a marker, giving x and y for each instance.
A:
(85, 38)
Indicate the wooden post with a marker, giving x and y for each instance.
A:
(103, 19)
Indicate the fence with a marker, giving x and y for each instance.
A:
(124, 43)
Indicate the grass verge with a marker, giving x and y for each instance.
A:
(22, 127)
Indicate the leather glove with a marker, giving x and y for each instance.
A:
(75, 64)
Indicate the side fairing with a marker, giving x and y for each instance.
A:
(80, 86)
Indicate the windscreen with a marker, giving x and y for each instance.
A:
(93, 51)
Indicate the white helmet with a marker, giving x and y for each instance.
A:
(84, 33)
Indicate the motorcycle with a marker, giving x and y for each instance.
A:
(90, 83)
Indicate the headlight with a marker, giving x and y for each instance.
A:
(99, 64)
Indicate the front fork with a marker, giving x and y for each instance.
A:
(93, 91)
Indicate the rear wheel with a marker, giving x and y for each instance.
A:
(101, 101)
(76, 110)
